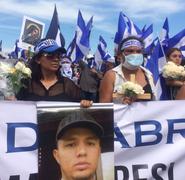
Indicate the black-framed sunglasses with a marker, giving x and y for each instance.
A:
(53, 55)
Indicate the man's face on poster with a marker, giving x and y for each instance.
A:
(35, 33)
(78, 153)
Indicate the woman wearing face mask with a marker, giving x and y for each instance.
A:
(66, 70)
(131, 50)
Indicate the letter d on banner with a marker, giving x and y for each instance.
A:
(12, 128)
(18, 140)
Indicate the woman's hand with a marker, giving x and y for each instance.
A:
(128, 100)
(11, 98)
(86, 103)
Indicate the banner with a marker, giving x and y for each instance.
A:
(18, 141)
(27, 141)
(150, 141)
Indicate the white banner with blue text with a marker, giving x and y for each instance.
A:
(18, 141)
(150, 141)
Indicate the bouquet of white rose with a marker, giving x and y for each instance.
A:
(11, 77)
(130, 89)
(173, 71)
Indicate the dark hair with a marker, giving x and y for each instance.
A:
(129, 38)
(171, 50)
(67, 57)
(36, 68)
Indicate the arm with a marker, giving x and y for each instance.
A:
(98, 74)
(74, 91)
(181, 93)
(107, 87)
(171, 82)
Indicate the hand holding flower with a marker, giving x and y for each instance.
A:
(130, 91)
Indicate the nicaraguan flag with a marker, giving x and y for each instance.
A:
(132, 28)
(54, 30)
(177, 41)
(122, 30)
(147, 37)
(143, 29)
(15, 54)
(71, 50)
(155, 65)
(101, 54)
(83, 37)
(164, 36)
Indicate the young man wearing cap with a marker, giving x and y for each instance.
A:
(78, 147)
(47, 84)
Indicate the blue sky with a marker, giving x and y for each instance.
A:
(105, 14)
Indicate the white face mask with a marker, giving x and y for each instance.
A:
(66, 70)
(133, 61)
(66, 66)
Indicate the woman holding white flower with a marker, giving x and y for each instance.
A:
(46, 83)
(174, 74)
(131, 50)
(11, 75)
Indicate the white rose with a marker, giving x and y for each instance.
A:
(20, 66)
(27, 71)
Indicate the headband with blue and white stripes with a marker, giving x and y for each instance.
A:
(131, 42)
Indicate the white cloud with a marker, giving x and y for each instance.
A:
(67, 10)
(105, 12)
(141, 9)
(101, 10)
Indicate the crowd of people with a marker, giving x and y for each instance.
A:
(56, 78)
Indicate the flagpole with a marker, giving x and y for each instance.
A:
(161, 47)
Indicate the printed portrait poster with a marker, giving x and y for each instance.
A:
(49, 119)
(31, 32)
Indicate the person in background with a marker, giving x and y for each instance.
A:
(66, 70)
(108, 64)
(46, 83)
(78, 148)
(89, 79)
(131, 51)
(176, 87)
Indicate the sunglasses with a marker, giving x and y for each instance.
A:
(52, 55)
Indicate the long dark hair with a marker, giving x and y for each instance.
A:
(36, 68)
(171, 50)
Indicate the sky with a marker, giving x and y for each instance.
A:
(105, 17)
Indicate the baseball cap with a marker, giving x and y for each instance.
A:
(79, 119)
(48, 46)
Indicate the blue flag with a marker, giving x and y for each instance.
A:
(15, 54)
(71, 50)
(82, 37)
(155, 65)
(54, 31)
(147, 37)
(122, 29)
(177, 41)
(165, 33)
(101, 54)
(0, 45)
